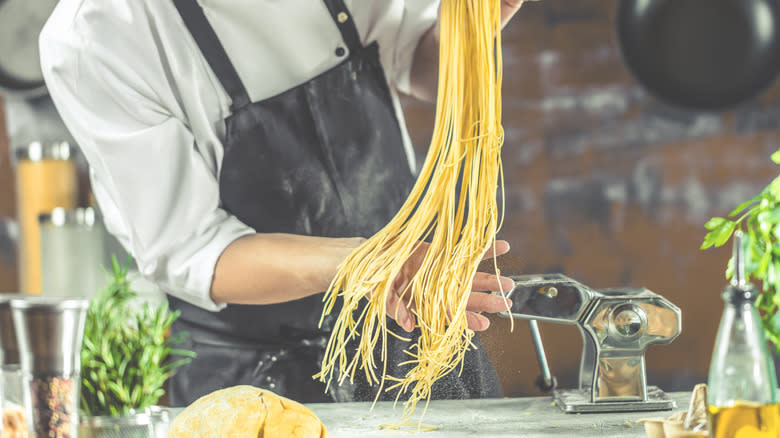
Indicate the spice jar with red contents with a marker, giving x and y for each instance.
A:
(50, 332)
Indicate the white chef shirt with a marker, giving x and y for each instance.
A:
(147, 111)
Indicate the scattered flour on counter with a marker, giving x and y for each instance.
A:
(408, 427)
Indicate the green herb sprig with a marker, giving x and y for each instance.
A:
(759, 219)
(126, 356)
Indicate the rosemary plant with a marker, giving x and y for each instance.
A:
(759, 219)
(127, 354)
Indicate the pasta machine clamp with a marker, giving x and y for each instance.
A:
(617, 326)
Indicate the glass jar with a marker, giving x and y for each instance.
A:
(73, 253)
(151, 423)
(13, 393)
(46, 178)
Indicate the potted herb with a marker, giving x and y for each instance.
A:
(759, 219)
(127, 357)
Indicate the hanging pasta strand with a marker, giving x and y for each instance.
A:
(459, 221)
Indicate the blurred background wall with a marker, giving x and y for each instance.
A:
(8, 280)
(603, 184)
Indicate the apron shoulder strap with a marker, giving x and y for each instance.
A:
(211, 48)
(346, 24)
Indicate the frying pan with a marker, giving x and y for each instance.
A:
(21, 21)
(707, 55)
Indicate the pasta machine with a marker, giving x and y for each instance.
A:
(617, 326)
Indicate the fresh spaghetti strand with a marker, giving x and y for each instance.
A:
(453, 206)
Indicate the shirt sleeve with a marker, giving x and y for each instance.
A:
(418, 16)
(156, 192)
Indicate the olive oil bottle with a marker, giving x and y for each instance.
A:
(744, 420)
(742, 387)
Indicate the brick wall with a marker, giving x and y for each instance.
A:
(612, 188)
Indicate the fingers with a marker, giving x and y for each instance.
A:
(476, 322)
(489, 303)
(501, 247)
(396, 309)
(485, 282)
(478, 302)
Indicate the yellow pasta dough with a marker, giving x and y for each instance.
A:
(246, 412)
(454, 205)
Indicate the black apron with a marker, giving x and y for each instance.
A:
(325, 158)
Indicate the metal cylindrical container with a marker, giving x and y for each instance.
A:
(11, 394)
(8, 345)
(73, 253)
(46, 178)
(50, 332)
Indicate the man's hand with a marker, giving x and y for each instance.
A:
(400, 308)
(425, 66)
(509, 8)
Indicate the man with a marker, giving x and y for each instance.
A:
(240, 150)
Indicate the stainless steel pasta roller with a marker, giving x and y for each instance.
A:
(617, 326)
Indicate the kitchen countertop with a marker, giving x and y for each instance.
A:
(527, 417)
(508, 417)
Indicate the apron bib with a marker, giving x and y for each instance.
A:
(324, 158)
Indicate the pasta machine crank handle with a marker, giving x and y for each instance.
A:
(545, 382)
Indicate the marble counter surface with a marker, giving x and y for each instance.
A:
(508, 417)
